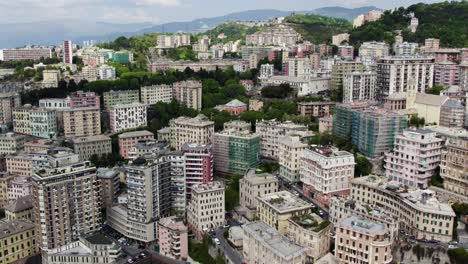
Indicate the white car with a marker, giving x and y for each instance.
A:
(452, 246)
(216, 240)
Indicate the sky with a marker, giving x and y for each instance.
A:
(161, 11)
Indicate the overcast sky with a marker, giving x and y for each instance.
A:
(159, 11)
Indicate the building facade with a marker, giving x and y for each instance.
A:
(290, 152)
(199, 164)
(173, 238)
(129, 116)
(156, 93)
(359, 86)
(86, 147)
(128, 140)
(113, 98)
(199, 130)
(188, 93)
(82, 122)
(454, 166)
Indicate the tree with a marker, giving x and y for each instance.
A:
(363, 167)
(435, 90)
(281, 91)
(458, 255)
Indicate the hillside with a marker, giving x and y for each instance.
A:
(342, 12)
(316, 28)
(447, 21)
(232, 30)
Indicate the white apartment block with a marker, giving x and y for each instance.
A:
(415, 157)
(254, 185)
(277, 35)
(325, 172)
(271, 131)
(86, 147)
(419, 212)
(55, 103)
(266, 71)
(359, 86)
(35, 121)
(359, 240)
(81, 122)
(19, 187)
(112, 98)
(299, 67)
(128, 116)
(173, 41)
(106, 72)
(156, 93)
(206, 208)
(198, 130)
(406, 49)
(50, 78)
(11, 143)
(374, 49)
(263, 244)
(188, 93)
(90, 73)
(290, 150)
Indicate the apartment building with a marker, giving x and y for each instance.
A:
(414, 158)
(359, 86)
(276, 208)
(271, 131)
(364, 241)
(254, 185)
(35, 121)
(8, 102)
(86, 147)
(21, 208)
(18, 241)
(464, 75)
(346, 52)
(311, 232)
(235, 152)
(20, 164)
(326, 124)
(199, 130)
(67, 203)
(5, 179)
(110, 185)
(405, 48)
(290, 150)
(238, 126)
(129, 116)
(19, 186)
(277, 35)
(173, 41)
(396, 73)
(84, 99)
(55, 103)
(326, 172)
(113, 98)
(340, 38)
(147, 147)
(419, 212)
(25, 54)
(90, 73)
(206, 210)
(106, 72)
(128, 140)
(50, 78)
(431, 44)
(264, 244)
(199, 164)
(156, 93)
(188, 93)
(339, 69)
(454, 166)
(173, 238)
(81, 122)
(374, 49)
(446, 73)
(315, 109)
(11, 143)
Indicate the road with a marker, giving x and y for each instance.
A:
(229, 252)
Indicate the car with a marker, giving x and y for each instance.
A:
(142, 254)
(313, 205)
(217, 242)
(130, 260)
(453, 243)
(320, 212)
(452, 246)
(226, 226)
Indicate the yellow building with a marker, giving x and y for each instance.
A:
(276, 208)
(427, 106)
(20, 208)
(5, 179)
(17, 240)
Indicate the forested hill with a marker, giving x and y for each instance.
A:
(446, 21)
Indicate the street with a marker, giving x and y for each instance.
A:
(229, 252)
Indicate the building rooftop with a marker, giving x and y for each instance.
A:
(94, 138)
(310, 221)
(199, 120)
(284, 202)
(235, 103)
(98, 238)
(12, 136)
(208, 187)
(20, 204)
(174, 223)
(9, 228)
(430, 99)
(106, 173)
(452, 103)
(362, 225)
(141, 133)
(329, 152)
(259, 178)
(316, 103)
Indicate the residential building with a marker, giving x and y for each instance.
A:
(277, 35)
(364, 241)
(419, 212)
(19, 241)
(84, 99)
(21, 208)
(88, 146)
(173, 41)
(67, 52)
(173, 238)
(311, 232)
(359, 86)
(19, 186)
(427, 106)
(415, 157)
(343, 117)
(374, 49)
(276, 208)
(339, 69)
(110, 185)
(234, 107)
(188, 93)
(446, 73)
(372, 15)
(20, 164)
(156, 93)
(346, 52)
(290, 150)
(396, 73)
(147, 147)
(66, 203)
(81, 122)
(405, 49)
(128, 116)
(326, 124)
(315, 109)
(452, 114)
(35, 121)
(431, 44)
(449, 55)
(8, 102)
(50, 78)
(454, 166)
(94, 248)
(396, 101)
(340, 38)
(464, 75)
(128, 140)
(238, 126)
(90, 73)
(235, 152)
(326, 172)
(263, 244)
(199, 130)
(123, 56)
(266, 71)
(255, 105)
(260, 51)
(206, 209)
(11, 143)
(38, 145)
(122, 97)
(55, 103)
(5, 178)
(254, 185)
(25, 54)
(106, 72)
(199, 164)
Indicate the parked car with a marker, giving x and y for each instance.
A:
(216, 240)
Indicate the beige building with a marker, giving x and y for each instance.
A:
(419, 212)
(427, 106)
(21, 208)
(188, 93)
(20, 164)
(276, 208)
(359, 240)
(5, 179)
(90, 73)
(11, 143)
(199, 130)
(290, 150)
(128, 140)
(8, 101)
(120, 97)
(110, 185)
(262, 244)
(255, 105)
(50, 78)
(86, 147)
(206, 210)
(156, 93)
(454, 166)
(315, 109)
(326, 124)
(254, 185)
(82, 122)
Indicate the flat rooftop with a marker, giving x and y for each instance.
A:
(284, 202)
(259, 178)
(362, 225)
(141, 133)
(9, 228)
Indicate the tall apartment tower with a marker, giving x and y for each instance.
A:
(67, 52)
(359, 86)
(199, 164)
(454, 166)
(67, 203)
(188, 93)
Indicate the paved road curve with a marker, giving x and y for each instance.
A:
(229, 252)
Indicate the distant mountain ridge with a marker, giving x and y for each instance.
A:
(53, 32)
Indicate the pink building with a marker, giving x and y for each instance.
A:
(235, 107)
(84, 99)
(443, 55)
(67, 52)
(446, 73)
(346, 52)
(199, 164)
(128, 140)
(25, 54)
(275, 54)
(173, 238)
(315, 61)
(248, 84)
